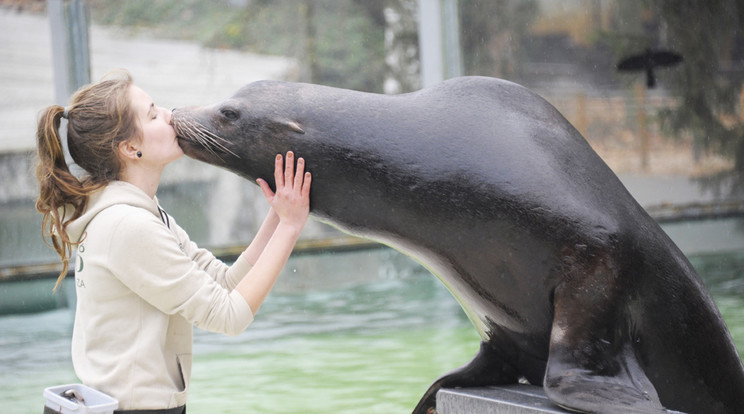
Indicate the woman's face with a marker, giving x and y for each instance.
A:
(159, 144)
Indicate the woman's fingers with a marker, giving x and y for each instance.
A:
(306, 185)
(289, 169)
(266, 189)
(299, 175)
(287, 178)
(291, 201)
(278, 173)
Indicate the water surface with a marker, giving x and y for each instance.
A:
(358, 331)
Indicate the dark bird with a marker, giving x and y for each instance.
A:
(648, 61)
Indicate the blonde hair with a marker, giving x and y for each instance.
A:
(99, 117)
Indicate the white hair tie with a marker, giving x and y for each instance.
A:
(66, 113)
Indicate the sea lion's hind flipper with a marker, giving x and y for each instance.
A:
(486, 368)
(592, 369)
(579, 390)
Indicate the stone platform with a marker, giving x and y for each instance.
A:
(510, 399)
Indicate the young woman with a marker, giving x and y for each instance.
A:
(141, 284)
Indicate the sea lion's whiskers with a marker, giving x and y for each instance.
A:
(195, 131)
(188, 129)
(213, 139)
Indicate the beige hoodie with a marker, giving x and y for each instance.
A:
(141, 284)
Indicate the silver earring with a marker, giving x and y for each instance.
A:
(139, 154)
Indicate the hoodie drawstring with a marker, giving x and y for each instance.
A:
(164, 217)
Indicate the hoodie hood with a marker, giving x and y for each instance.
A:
(116, 192)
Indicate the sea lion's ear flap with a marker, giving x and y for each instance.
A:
(295, 126)
(281, 126)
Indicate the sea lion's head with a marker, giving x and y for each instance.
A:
(240, 133)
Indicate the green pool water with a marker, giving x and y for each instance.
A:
(322, 343)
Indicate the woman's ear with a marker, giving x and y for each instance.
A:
(127, 150)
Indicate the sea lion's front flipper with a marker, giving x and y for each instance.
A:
(486, 368)
(592, 367)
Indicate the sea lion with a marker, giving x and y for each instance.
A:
(567, 279)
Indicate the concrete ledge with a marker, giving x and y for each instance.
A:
(509, 399)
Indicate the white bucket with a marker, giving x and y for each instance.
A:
(95, 402)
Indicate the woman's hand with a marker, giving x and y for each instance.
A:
(291, 205)
(291, 202)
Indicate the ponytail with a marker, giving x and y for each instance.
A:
(99, 118)
(62, 197)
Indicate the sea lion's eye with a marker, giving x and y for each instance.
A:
(229, 114)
